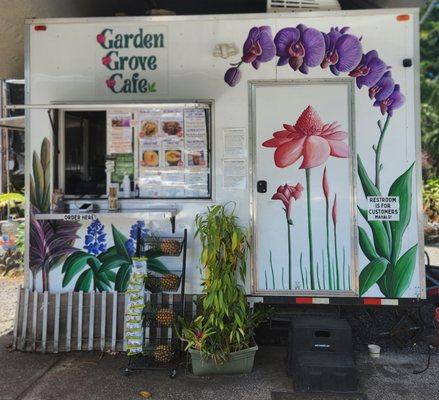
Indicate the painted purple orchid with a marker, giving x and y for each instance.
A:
(300, 47)
(394, 101)
(343, 51)
(303, 48)
(258, 48)
(370, 70)
(383, 88)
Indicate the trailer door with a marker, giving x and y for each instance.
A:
(303, 187)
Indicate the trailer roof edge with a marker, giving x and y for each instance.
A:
(162, 18)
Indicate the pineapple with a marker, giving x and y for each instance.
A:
(170, 247)
(170, 282)
(163, 353)
(152, 283)
(165, 316)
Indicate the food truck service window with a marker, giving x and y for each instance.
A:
(160, 151)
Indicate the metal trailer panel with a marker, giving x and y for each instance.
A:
(53, 75)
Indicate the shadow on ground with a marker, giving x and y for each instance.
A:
(88, 376)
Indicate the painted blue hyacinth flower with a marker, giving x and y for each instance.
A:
(95, 241)
(130, 244)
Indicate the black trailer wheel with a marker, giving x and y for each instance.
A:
(173, 374)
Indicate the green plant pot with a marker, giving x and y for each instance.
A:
(239, 362)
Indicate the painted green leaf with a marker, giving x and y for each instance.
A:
(369, 187)
(384, 282)
(33, 197)
(111, 275)
(38, 173)
(402, 273)
(366, 245)
(45, 154)
(74, 264)
(380, 237)
(371, 273)
(401, 188)
(157, 266)
(119, 243)
(102, 282)
(111, 251)
(84, 281)
(153, 253)
(122, 277)
(110, 262)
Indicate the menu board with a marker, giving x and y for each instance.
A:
(120, 137)
(172, 152)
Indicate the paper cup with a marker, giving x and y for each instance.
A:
(374, 350)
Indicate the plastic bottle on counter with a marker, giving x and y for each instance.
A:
(126, 187)
(9, 234)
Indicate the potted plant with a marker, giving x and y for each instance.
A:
(220, 339)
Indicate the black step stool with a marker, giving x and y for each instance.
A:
(320, 354)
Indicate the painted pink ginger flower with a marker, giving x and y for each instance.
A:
(301, 47)
(343, 51)
(259, 46)
(394, 101)
(287, 194)
(309, 138)
(370, 70)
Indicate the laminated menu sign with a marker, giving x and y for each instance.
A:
(235, 173)
(235, 142)
(172, 153)
(120, 137)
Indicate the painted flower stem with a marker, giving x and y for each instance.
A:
(377, 150)
(290, 272)
(328, 255)
(337, 272)
(272, 271)
(310, 244)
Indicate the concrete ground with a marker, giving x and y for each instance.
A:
(88, 376)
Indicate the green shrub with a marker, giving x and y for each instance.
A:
(431, 199)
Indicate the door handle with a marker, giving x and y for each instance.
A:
(261, 186)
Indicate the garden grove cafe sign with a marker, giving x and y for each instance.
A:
(132, 60)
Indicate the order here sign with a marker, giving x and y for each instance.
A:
(381, 208)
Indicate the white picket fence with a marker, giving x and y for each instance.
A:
(77, 321)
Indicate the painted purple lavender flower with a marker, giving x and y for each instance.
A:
(130, 244)
(95, 241)
(370, 70)
(232, 76)
(301, 47)
(343, 51)
(383, 88)
(394, 101)
(259, 46)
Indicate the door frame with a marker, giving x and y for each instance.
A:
(354, 262)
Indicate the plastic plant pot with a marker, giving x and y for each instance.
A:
(239, 362)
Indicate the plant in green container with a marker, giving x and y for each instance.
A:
(224, 327)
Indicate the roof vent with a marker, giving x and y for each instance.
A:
(302, 5)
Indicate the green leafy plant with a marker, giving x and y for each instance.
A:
(392, 272)
(225, 323)
(431, 199)
(110, 269)
(40, 180)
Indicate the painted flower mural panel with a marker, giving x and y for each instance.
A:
(309, 138)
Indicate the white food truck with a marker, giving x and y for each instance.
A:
(308, 121)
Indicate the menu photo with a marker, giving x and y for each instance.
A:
(173, 156)
(196, 158)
